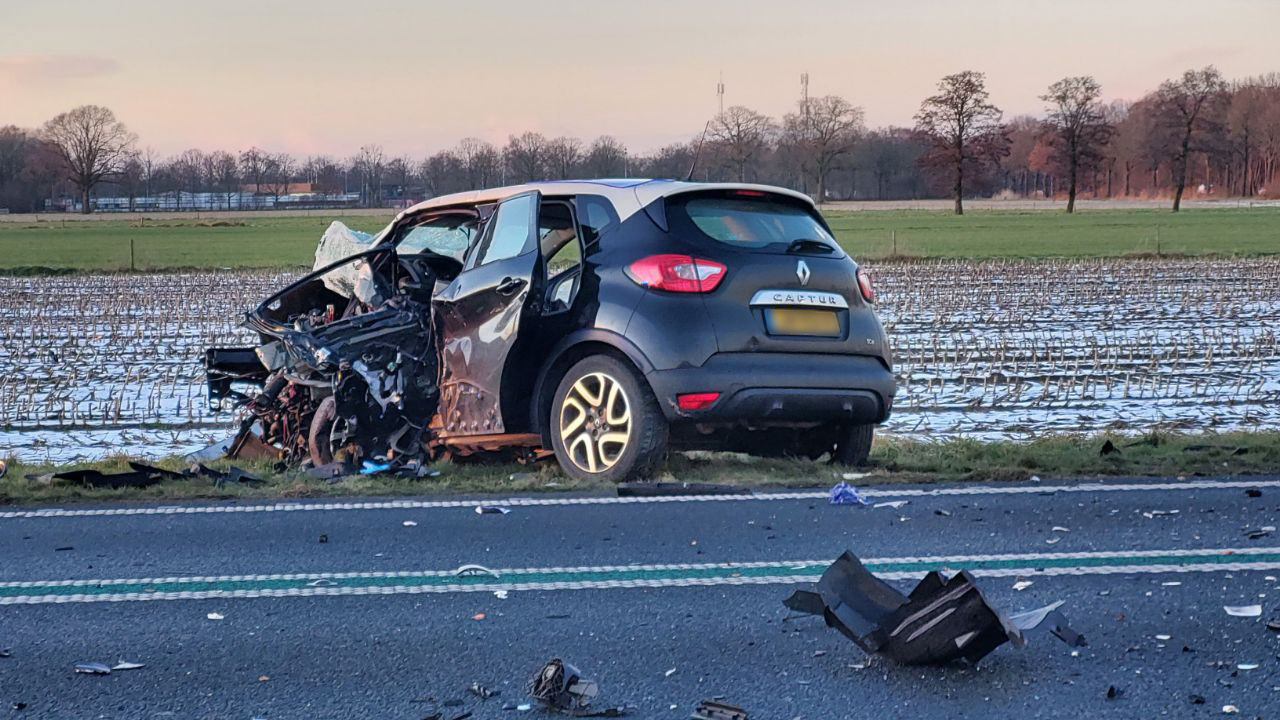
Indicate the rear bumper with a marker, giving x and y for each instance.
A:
(781, 387)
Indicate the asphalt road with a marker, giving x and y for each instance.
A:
(663, 603)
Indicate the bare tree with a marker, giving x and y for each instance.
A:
(1076, 128)
(479, 161)
(279, 173)
(93, 146)
(606, 158)
(225, 174)
(1245, 119)
(526, 157)
(442, 173)
(369, 164)
(741, 134)
(1189, 110)
(823, 131)
(962, 129)
(563, 156)
(253, 164)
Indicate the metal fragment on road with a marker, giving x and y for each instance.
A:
(492, 510)
(1022, 585)
(93, 668)
(123, 665)
(895, 504)
(714, 710)
(216, 616)
(1246, 611)
(1247, 666)
(943, 619)
(560, 687)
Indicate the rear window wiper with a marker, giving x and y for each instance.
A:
(810, 246)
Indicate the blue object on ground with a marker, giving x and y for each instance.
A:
(845, 494)
(373, 468)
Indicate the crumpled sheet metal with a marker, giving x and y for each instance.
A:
(942, 620)
(560, 687)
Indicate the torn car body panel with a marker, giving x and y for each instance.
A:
(942, 620)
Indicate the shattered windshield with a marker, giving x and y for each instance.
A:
(449, 236)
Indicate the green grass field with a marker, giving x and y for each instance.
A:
(288, 241)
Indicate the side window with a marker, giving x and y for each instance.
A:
(510, 231)
(596, 216)
(557, 237)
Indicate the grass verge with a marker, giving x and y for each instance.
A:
(892, 460)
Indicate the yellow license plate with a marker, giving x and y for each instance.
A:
(801, 321)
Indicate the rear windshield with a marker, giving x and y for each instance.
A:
(756, 223)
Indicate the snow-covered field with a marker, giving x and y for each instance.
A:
(102, 364)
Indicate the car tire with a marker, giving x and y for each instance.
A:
(853, 445)
(605, 423)
(318, 446)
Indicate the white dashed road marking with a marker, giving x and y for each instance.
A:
(883, 492)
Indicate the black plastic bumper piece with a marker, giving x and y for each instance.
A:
(790, 387)
(222, 366)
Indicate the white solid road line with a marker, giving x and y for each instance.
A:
(883, 492)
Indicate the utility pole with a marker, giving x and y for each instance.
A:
(720, 93)
(804, 94)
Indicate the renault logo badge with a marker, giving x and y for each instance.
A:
(802, 272)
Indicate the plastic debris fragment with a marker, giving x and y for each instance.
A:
(943, 619)
(845, 494)
(1248, 611)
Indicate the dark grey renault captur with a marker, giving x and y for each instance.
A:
(605, 321)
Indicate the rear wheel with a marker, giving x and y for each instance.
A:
(606, 424)
(853, 444)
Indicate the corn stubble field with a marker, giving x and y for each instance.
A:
(108, 364)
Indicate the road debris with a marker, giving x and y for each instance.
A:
(6, 652)
(481, 691)
(409, 523)
(845, 494)
(1259, 533)
(1022, 585)
(492, 510)
(559, 686)
(1246, 611)
(1114, 693)
(713, 710)
(1230, 709)
(123, 665)
(500, 594)
(1254, 492)
(895, 504)
(216, 616)
(943, 619)
(1247, 666)
(93, 668)
(474, 570)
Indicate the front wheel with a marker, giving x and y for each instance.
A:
(606, 425)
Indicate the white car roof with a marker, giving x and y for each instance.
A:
(627, 195)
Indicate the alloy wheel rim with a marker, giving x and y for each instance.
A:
(595, 422)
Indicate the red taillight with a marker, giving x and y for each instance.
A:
(697, 401)
(677, 273)
(864, 286)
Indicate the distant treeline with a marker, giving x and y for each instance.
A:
(1197, 132)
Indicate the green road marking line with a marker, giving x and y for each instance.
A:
(626, 576)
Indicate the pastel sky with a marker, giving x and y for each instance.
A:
(326, 76)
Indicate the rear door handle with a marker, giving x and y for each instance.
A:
(509, 286)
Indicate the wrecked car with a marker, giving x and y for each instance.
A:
(604, 322)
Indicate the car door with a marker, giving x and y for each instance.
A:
(480, 316)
